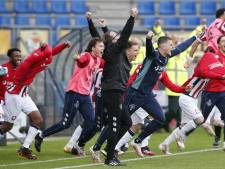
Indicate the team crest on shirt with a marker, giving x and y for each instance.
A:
(209, 102)
(132, 107)
(13, 118)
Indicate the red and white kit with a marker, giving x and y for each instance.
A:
(17, 99)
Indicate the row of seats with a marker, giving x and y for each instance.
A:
(44, 6)
(177, 22)
(189, 7)
(43, 20)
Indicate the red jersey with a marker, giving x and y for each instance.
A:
(32, 65)
(163, 78)
(6, 81)
(216, 85)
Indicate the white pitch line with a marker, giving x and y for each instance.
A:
(137, 159)
(46, 161)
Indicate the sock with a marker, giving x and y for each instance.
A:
(144, 143)
(188, 127)
(32, 132)
(218, 131)
(101, 139)
(74, 137)
(125, 139)
(149, 129)
(171, 137)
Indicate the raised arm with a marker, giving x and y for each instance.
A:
(102, 24)
(150, 51)
(127, 30)
(93, 31)
(183, 46)
(56, 50)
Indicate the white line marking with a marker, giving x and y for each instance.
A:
(137, 159)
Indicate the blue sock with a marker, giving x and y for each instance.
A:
(149, 129)
(101, 139)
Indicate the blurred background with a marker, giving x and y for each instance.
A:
(27, 23)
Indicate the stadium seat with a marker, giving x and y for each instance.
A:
(223, 4)
(149, 22)
(187, 7)
(171, 22)
(40, 6)
(5, 20)
(3, 8)
(208, 7)
(81, 21)
(210, 19)
(22, 20)
(59, 6)
(78, 6)
(21, 6)
(146, 7)
(167, 7)
(62, 21)
(44, 20)
(191, 21)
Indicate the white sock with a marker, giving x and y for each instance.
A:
(125, 139)
(32, 132)
(171, 137)
(74, 137)
(188, 127)
(145, 142)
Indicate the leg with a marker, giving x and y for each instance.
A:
(89, 125)
(70, 109)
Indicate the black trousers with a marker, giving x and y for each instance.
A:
(119, 121)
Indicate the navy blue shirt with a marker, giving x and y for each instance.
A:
(154, 64)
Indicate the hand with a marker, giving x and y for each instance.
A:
(134, 12)
(76, 56)
(89, 15)
(188, 88)
(67, 43)
(188, 63)
(150, 34)
(102, 22)
(43, 46)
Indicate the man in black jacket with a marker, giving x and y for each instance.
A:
(115, 76)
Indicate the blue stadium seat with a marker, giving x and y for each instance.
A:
(149, 22)
(187, 7)
(171, 22)
(146, 7)
(44, 20)
(208, 7)
(78, 6)
(40, 6)
(62, 21)
(22, 20)
(21, 6)
(81, 21)
(5, 20)
(167, 7)
(210, 19)
(191, 21)
(223, 4)
(59, 6)
(3, 8)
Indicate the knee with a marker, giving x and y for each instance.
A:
(199, 120)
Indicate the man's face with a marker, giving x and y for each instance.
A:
(98, 49)
(221, 45)
(115, 36)
(167, 47)
(16, 58)
(132, 52)
(223, 16)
